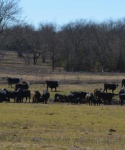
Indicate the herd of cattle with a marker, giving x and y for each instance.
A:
(98, 97)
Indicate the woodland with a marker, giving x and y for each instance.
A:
(77, 46)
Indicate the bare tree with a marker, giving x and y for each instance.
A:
(9, 14)
(50, 40)
(21, 40)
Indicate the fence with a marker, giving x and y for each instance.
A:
(67, 78)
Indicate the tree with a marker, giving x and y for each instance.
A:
(9, 14)
(21, 40)
(78, 43)
(50, 40)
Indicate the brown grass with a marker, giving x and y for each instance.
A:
(13, 66)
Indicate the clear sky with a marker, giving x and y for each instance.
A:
(64, 11)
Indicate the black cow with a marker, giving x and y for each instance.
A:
(6, 95)
(44, 97)
(18, 96)
(12, 81)
(106, 98)
(96, 92)
(41, 98)
(123, 83)
(36, 96)
(61, 98)
(21, 94)
(110, 87)
(23, 86)
(77, 97)
(3, 96)
(122, 96)
(26, 94)
(12, 95)
(52, 84)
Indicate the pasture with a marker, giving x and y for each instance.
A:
(60, 126)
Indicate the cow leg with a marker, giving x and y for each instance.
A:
(89, 102)
(47, 88)
(34, 100)
(94, 102)
(121, 102)
(8, 100)
(105, 90)
(110, 101)
(14, 100)
(98, 102)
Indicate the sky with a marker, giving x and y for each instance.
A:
(62, 12)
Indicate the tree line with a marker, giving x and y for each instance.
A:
(77, 46)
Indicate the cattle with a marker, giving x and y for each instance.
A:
(122, 96)
(45, 96)
(36, 96)
(61, 98)
(25, 94)
(12, 81)
(90, 98)
(96, 92)
(21, 94)
(18, 95)
(6, 95)
(76, 97)
(103, 97)
(123, 83)
(12, 95)
(52, 84)
(110, 87)
(41, 98)
(23, 86)
(3, 96)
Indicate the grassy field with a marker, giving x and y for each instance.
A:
(61, 127)
(56, 126)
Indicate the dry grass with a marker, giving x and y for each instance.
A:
(13, 66)
(61, 126)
